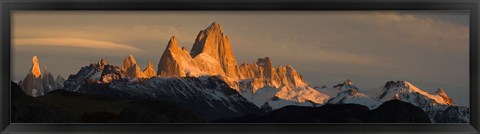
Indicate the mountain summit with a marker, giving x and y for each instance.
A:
(174, 60)
(35, 69)
(131, 69)
(37, 84)
(211, 55)
(149, 71)
(213, 42)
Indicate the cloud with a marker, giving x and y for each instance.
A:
(73, 42)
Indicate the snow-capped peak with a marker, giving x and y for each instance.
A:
(345, 85)
(404, 90)
(353, 96)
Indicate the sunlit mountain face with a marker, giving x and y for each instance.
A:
(207, 85)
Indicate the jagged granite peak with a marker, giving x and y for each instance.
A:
(135, 72)
(247, 70)
(177, 62)
(213, 42)
(264, 62)
(35, 69)
(128, 62)
(38, 84)
(32, 84)
(440, 92)
(262, 81)
(93, 73)
(102, 62)
(172, 43)
(130, 68)
(289, 76)
(173, 59)
(268, 69)
(149, 71)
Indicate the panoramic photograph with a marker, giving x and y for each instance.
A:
(240, 67)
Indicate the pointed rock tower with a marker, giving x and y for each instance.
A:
(38, 84)
(35, 69)
(173, 60)
(131, 69)
(32, 85)
(289, 76)
(149, 71)
(213, 42)
(268, 70)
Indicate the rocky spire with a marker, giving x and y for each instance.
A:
(37, 84)
(35, 69)
(130, 68)
(289, 76)
(247, 70)
(149, 71)
(268, 69)
(172, 43)
(128, 62)
(171, 62)
(213, 42)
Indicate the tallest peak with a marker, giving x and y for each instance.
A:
(214, 27)
(213, 42)
(172, 43)
(214, 24)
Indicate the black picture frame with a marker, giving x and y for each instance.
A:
(7, 6)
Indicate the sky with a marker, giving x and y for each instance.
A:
(426, 48)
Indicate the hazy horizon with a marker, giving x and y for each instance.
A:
(427, 48)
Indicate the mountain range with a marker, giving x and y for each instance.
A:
(209, 82)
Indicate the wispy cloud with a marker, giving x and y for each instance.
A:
(74, 42)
